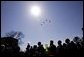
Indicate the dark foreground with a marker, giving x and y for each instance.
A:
(9, 47)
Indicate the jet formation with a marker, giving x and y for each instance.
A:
(45, 21)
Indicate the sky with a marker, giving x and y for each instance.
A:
(66, 20)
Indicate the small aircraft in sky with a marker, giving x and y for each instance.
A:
(45, 21)
(41, 24)
(49, 21)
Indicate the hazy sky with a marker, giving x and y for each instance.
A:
(66, 20)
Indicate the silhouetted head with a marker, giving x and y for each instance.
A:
(39, 43)
(76, 39)
(51, 42)
(35, 46)
(59, 42)
(28, 45)
(72, 42)
(67, 41)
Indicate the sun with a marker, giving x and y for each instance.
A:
(35, 10)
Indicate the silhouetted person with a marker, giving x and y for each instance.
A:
(67, 41)
(41, 50)
(28, 47)
(72, 48)
(59, 48)
(35, 50)
(52, 49)
(9, 47)
(64, 49)
(27, 53)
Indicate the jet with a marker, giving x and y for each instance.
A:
(49, 21)
(41, 24)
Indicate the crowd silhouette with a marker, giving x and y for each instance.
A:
(69, 48)
(10, 47)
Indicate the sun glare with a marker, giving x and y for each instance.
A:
(35, 10)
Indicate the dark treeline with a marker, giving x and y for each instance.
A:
(9, 47)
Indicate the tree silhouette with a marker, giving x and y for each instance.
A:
(16, 34)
